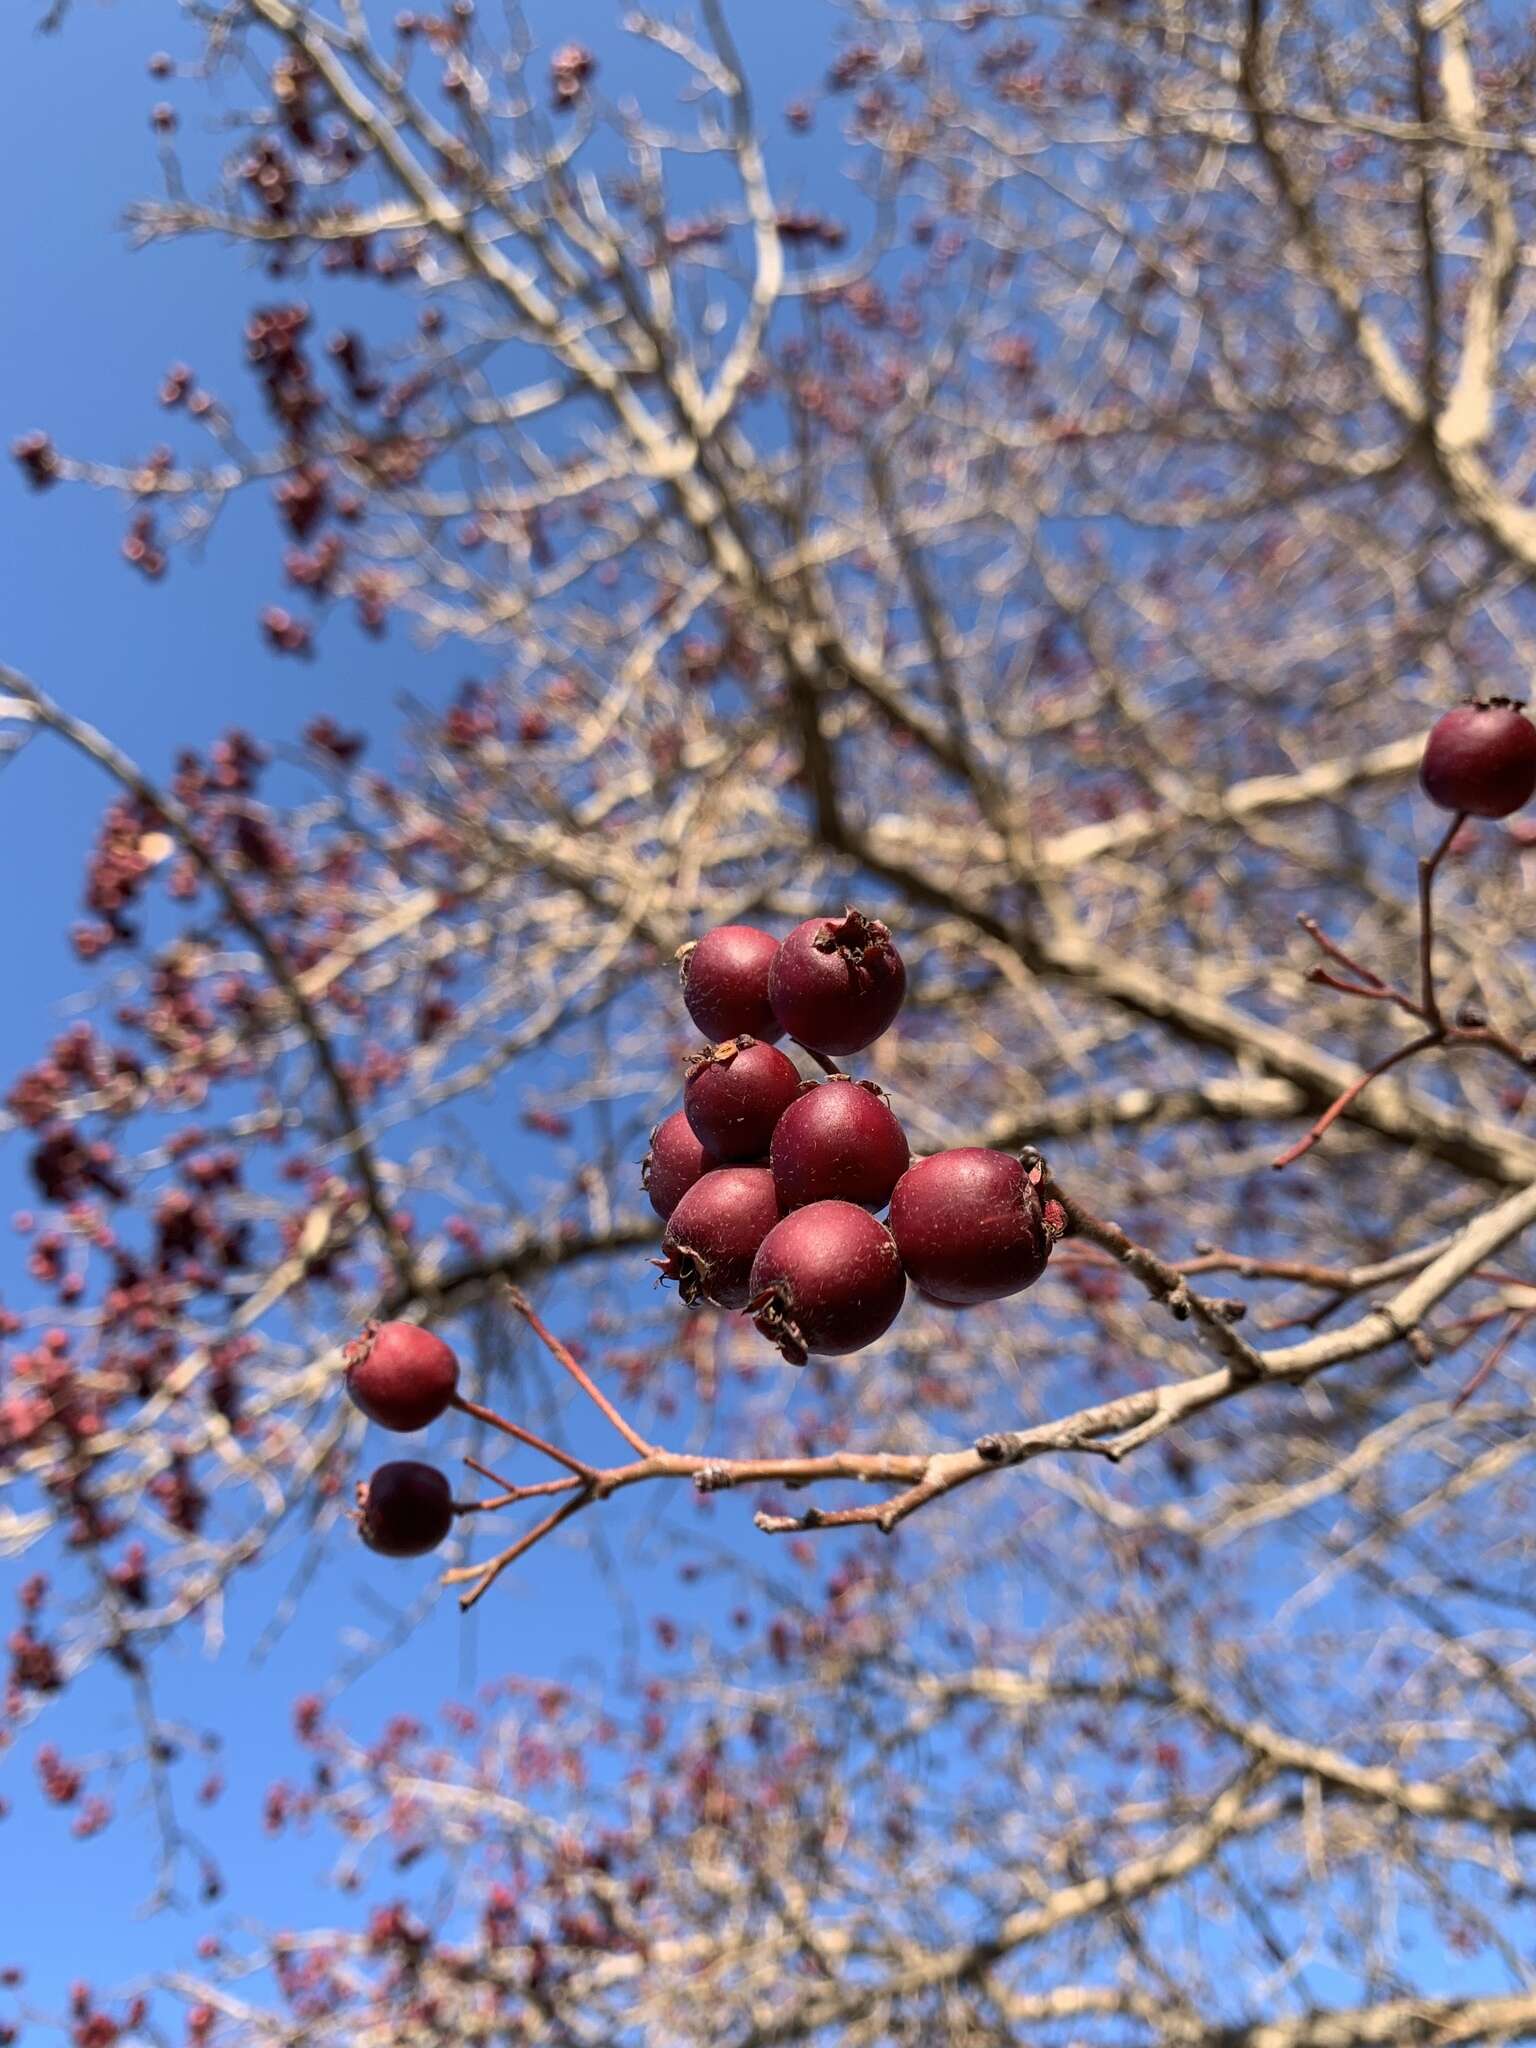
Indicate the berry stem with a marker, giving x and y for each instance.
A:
(823, 1060)
(509, 1493)
(512, 1495)
(1428, 1001)
(523, 1436)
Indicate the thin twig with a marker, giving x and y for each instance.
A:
(563, 1357)
(1357, 1087)
(1512, 1329)
(487, 1574)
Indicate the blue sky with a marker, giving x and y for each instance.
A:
(89, 330)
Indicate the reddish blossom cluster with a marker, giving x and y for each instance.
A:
(38, 459)
(570, 70)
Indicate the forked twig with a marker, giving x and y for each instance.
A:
(1367, 986)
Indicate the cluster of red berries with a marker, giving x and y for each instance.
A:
(403, 1378)
(771, 1185)
(1480, 759)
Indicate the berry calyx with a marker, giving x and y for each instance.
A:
(725, 983)
(970, 1226)
(714, 1233)
(826, 1280)
(674, 1162)
(735, 1093)
(838, 1141)
(1480, 759)
(400, 1375)
(405, 1509)
(837, 983)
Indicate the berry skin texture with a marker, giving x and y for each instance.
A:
(970, 1227)
(735, 1093)
(1481, 759)
(406, 1509)
(401, 1376)
(839, 1141)
(675, 1161)
(837, 983)
(826, 1280)
(725, 983)
(714, 1233)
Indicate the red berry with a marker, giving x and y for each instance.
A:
(407, 1509)
(970, 1227)
(675, 1161)
(401, 1376)
(837, 983)
(839, 1141)
(714, 1232)
(734, 1095)
(1481, 759)
(827, 1279)
(725, 983)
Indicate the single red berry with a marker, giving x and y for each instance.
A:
(970, 1226)
(725, 983)
(735, 1093)
(675, 1161)
(837, 983)
(839, 1141)
(406, 1508)
(1481, 759)
(401, 1376)
(827, 1279)
(714, 1232)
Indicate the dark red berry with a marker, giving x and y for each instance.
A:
(734, 1095)
(406, 1507)
(714, 1232)
(1481, 759)
(675, 1161)
(839, 1141)
(837, 983)
(970, 1226)
(725, 983)
(401, 1376)
(828, 1280)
